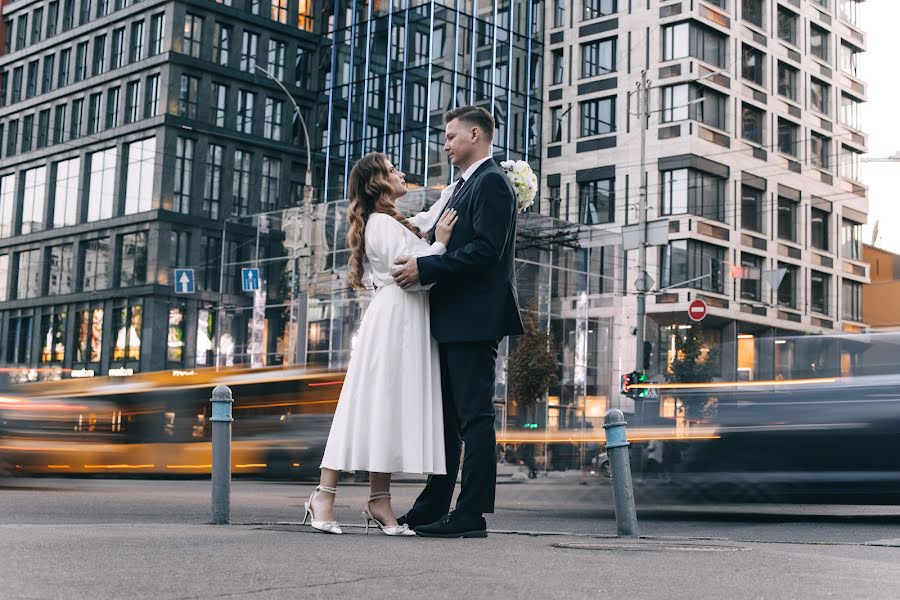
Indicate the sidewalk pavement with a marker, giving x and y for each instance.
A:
(148, 539)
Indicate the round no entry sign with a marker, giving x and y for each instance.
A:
(697, 310)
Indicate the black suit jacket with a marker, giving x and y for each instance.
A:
(475, 297)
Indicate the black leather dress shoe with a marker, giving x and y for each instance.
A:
(455, 525)
(413, 520)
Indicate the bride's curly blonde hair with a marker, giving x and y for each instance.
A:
(370, 192)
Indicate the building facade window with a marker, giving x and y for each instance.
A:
(212, 188)
(34, 200)
(62, 75)
(65, 198)
(184, 160)
(558, 66)
(4, 277)
(7, 201)
(273, 118)
(248, 52)
(818, 229)
(271, 177)
(187, 97)
(81, 51)
(210, 261)
(218, 99)
(95, 113)
(787, 81)
(151, 100)
(112, 108)
(246, 100)
(692, 264)
(127, 329)
(752, 209)
(788, 137)
(132, 101)
(787, 219)
(850, 163)
(819, 151)
(101, 199)
(139, 176)
(819, 96)
(850, 59)
(753, 65)
(47, 73)
(96, 261)
(851, 300)
(850, 111)
(688, 191)
(819, 45)
(75, 124)
(787, 289)
(136, 49)
(175, 338)
(556, 124)
(598, 8)
(29, 271)
(851, 240)
(690, 39)
(819, 291)
(598, 116)
(850, 11)
(241, 184)
(222, 44)
(751, 271)
(59, 120)
(61, 270)
(193, 34)
(277, 51)
(117, 52)
(89, 325)
(753, 11)
(18, 340)
(157, 33)
(133, 259)
(597, 201)
(753, 124)
(53, 336)
(98, 65)
(598, 58)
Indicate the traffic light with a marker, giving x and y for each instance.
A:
(631, 379)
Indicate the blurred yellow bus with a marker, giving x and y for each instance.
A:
(158, 423)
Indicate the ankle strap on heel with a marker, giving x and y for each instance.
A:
(379, 496)
(326, 489)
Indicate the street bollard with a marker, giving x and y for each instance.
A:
(221, 454)
(620, 470)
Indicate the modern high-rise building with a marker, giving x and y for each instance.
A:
(753, 145)
(137, 138)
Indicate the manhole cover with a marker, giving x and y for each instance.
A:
(650, 547)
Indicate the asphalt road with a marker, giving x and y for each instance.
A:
(82, 538)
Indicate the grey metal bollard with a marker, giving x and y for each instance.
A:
(620, 470)
(221, 454)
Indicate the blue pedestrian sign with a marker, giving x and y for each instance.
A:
(184, 281)
(250, 279)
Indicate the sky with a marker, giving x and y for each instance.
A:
(880, 69)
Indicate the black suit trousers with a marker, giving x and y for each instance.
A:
(467, 384)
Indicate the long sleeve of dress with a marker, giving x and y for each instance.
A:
(387, 240)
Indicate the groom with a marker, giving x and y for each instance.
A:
(473, 306)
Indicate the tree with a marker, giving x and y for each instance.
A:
(532, 365)
(691, 366)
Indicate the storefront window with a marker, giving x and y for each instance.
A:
(90, 335)
(127, 321)
(175, 345)
(53, 330)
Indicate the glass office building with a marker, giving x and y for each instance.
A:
(389, 70)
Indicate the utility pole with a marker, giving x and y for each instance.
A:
(641, 283)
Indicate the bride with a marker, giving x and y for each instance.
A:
(389, 417)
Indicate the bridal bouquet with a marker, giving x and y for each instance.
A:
(524, 181)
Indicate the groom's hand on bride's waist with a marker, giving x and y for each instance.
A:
(406, 273)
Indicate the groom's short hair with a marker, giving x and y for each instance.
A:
(473, 115)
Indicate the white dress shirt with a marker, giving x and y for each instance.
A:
(471, 170)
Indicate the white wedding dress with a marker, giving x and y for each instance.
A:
(389, 418)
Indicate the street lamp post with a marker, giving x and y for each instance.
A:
(307, 206)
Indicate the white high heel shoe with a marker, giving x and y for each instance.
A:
(323, 526)
(398, 530)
